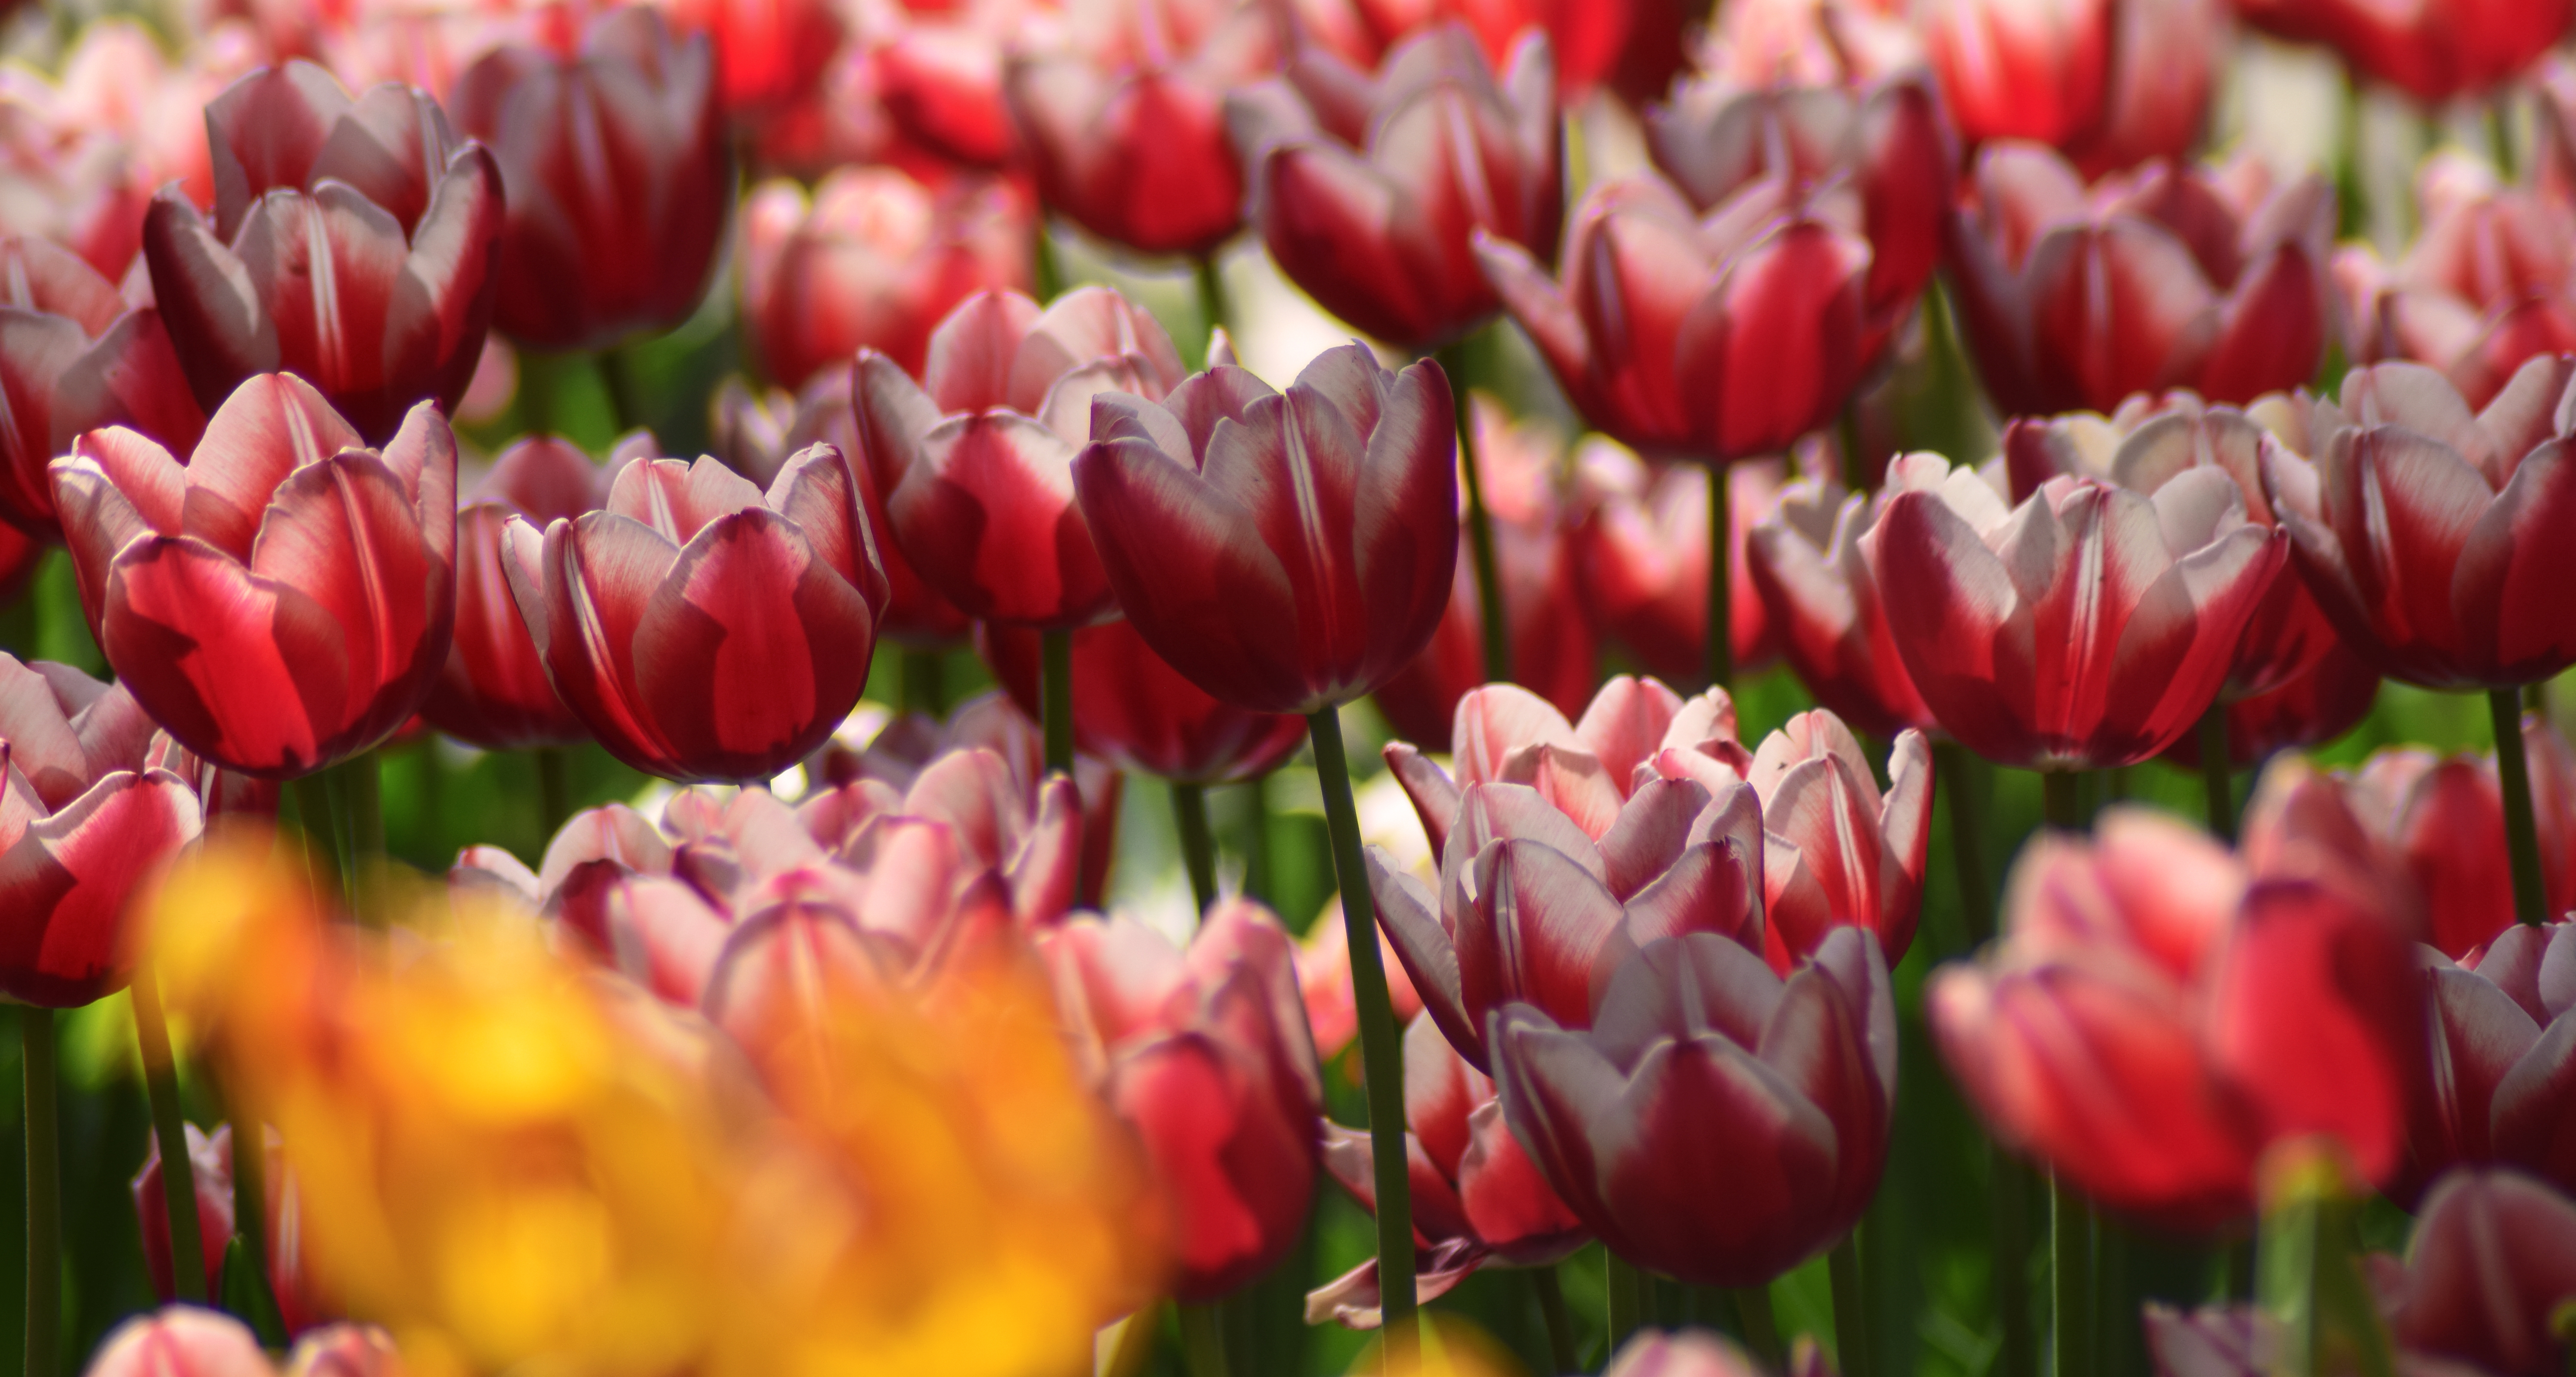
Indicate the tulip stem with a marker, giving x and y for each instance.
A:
(1851, 1310)
(1211, 285)
(625, 401)
(1198, 842)
(2218, 773)
(1381, 1054)
(2522, 837)
(1720, 654)
(2011, 1222)
(2061, 799)
(1761, 1328)
(1491, 615)
(1625, 1291)
(923, 687)
(1960, 774)
(362, 830)
(554, 788)
(314, 807)
(1055, 698)
(169, 1129)
(2071, 1229)
(250, 1191)
(1552, 1314)
(44, 1190)
(1202, 1340)
(1256, 839)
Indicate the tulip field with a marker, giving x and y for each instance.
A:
(1288, 688)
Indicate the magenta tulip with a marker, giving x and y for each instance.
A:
(2490, 1275)
(2502, 1075)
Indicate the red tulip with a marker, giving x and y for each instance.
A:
(1324, 982)
(755, 437)
(218, 790)
(354, 245)
(1719, 338)
(2432, 51)
(2111, 83)
(2310, 710)
(872, 259)
(2073, 297)
(700, 628)
(976, 470)
(284, 601)
(1368, 189)
(938, 74)
(2088, 627)
(1205, 1052)
(597, 247)
(1125, 128)
(22, 556)
(2490, 1274)
(2414, 523)
(1477, 1199)
(1282, 553)
(768, 52)
(1589, 39)
(1806, 565)
(181, 1341)
(2443, 821)
(1642, 549)
(1716, 1124)
(1555, 647)
(1836, 851)
(210, 1160)
(2156, 1016)
(1137, 713)
(2502, 1074)
(73, 358)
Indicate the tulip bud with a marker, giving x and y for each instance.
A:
(210, 1160)
(181, 1341)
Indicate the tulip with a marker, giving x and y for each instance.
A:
(2167, 276)
(1642, 552)
(218, 790)
(74, 358)
(2443, 821)
(1806, 565)
(1716, 1123)
(938, 76)
(768, 52)
(2503, 1061)
(597, 247)
(1836, 851)
(2157, 1015)
(1368, 189)
(346, 1350)
(871, 259)
(2087, 628)
(1137, 713)
(1205, 1052)
(975, 461)
(181, 1341)
(2315, 708)
(354, 245)
(1479, 1200)
(1324, 982)
(1125, 127)
(1589, 40)
(1699, 1353)
(493, 690)
(2111, 83)
(700, 628)
(2409, 516)
(2489, 1275)
(284, 601)
(2433, 52)
(211, 1161)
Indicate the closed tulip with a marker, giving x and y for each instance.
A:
(210, 1160)
(181, 1341)
(1594, 40)
(768, 52)
(2501, 1080)
(1807, 567)
(2442, 819)
(938, 75)
(700, 628)
(2111, 83)
(975, 462)
(2073, 297)
(871, 259)
(2434, 50)
(284, 600)
(2489, 1275)
(1368, 188)
(1137, 713)
(597, 247)
(2413, 522)
(354, 245)
(1283, 553)
(2157, 1015)
(1716, 1123)
(1641, 548)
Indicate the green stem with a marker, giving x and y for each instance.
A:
(625, 397)
(1211, 285)
(320, 817)
(1202, 1340)
(1847, 438)
(2070, 1249)
(2522, 837)
(1492, 616)
(1055, 698)
(923, 687)
(1626, 1292)
(1380, 1051)
(1256, 841)
(1720, 655)
(2011, 1221)
(554, 788)
(362, 829)
(1960, 775)
(1851, 1312)
(2218, 772)
(1552, 1313)
(250, 1194)
(1761, 1328)
(2500, 132)
(1046, 268)
(44, 1191)
(1198, 843)
(169, 1128)
(2061, 799)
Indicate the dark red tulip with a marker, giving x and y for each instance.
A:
(871, 259)
(283, 601)
(2156, 1016)
(1642, 549)
(1716, 1123)
(2413, 522)
(493, 691)
(181, 1341)
(700, 628)
(1477, 1198)
(2490, 1274)
(1806, 565)
(1124, 124)
(1589, 37)
(2488, 284)
(1205, 1052)
(976, 461)
(74, 358)
(2072, 297)
(2087, 628)
(755, 436)
(22, 556)
(2434, 50)
(1369, 188)
(2502, 1075)
(1720, 338)
(1555, 644)
(1137, 713)
(1283, 553)
(354, 245)
(768, 52)
(619, 179)
(2111, 83)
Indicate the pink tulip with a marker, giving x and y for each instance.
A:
(181, 1341)
(938, 74)
(2489, 1275)
(284, 600)
(1806, 565)
(1324, 982)
(1642, 549)
(1836, 851)
(1594, 40)
(2488, 284)
(1699, 1353)
(2501, 1083)
(2442, 820)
